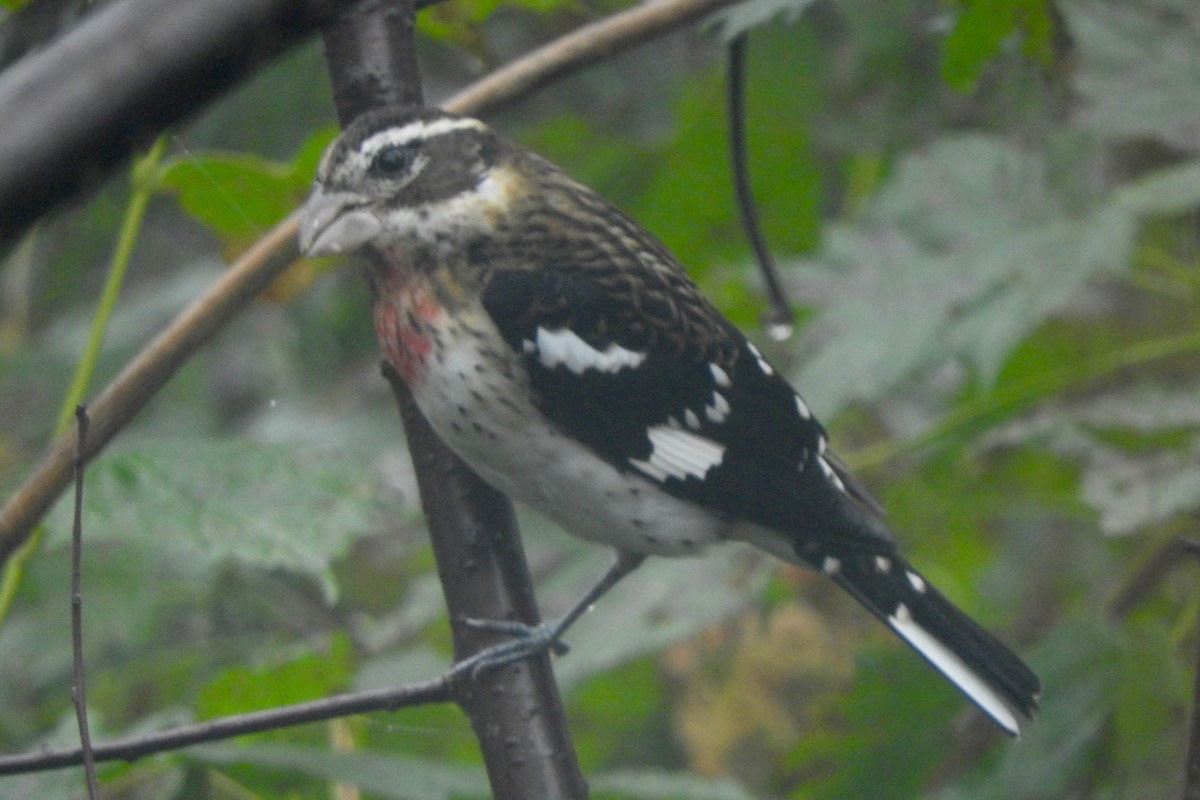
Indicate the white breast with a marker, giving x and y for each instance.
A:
(476, 397)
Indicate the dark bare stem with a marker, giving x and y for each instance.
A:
(79, 689)
(435, 690)
(778, 319)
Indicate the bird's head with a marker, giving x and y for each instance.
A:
(398, 174)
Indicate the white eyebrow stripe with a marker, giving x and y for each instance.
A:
(418, 129)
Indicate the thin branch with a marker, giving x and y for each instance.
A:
(778, 320)
(578, 49)
(79, 689)
(436, 690)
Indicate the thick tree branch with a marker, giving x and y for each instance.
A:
(516, 712)
(76, 109)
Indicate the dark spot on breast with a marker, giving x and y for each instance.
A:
(477, 252)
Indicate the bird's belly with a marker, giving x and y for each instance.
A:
(476, 398)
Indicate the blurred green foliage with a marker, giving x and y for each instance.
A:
(987, 212)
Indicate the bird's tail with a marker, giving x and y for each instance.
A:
(982, 668)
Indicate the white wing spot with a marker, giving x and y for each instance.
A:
(883, 564)
(679, 454)
(830, 475)
(830, 565)
(916, 581)
(564, 347)
(954, 668)
(802, 408)
(762, 362)
(691, 419)
(822, 444)
(718, 409)
(720, 376)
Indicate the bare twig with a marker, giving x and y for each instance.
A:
(578, 49)
(142, 378)
(435, 690)
(79, 689)
(778, 318)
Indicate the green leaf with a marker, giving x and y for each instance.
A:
(1138, 69)
(204, 501)
(391, 775)
(238, 196)
(981, 28)
(965, 250)
(312, 676)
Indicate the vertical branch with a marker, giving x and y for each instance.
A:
(78, 689)
(516, 712)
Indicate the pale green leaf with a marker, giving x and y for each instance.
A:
(1138, 69)
(964, 251)
(201, 502)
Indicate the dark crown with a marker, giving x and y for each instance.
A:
(410, 157)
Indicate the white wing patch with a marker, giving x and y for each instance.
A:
(679, 453)
(564, 347)
(830, 475)
(720, 376)
(953, 667)
(718, 409)
(802, 408)
(762, 362)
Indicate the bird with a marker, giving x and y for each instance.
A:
(563, 353)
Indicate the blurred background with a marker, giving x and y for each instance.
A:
(986, 214)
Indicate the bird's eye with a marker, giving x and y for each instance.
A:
(392, 160)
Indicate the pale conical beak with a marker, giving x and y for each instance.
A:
(336, 222)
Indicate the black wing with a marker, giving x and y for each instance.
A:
(645, 373)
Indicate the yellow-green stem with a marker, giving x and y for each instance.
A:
(144, 186)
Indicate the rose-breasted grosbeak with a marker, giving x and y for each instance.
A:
(561, 351)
